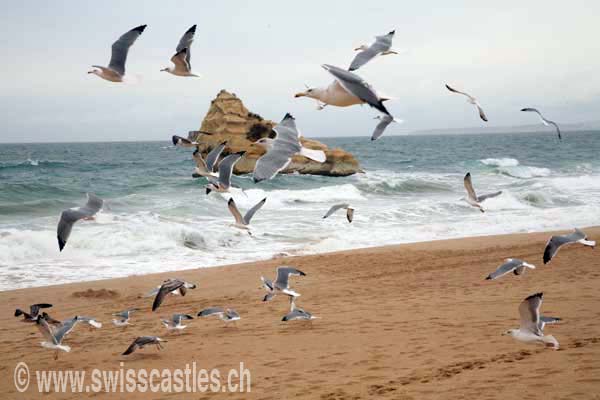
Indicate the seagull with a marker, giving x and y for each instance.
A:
(179, 141)
(169, 286)
(531, 329)
(510, 265)
(281, 282)
(297, 313)
(381, 47)
(115, 72)
(181, 59)
(227, 315)
(243, 222)
(471, 100)
(142, 341)
(544, 120)
(472, 197)
(357, 90)
(175, 322)
(78, 318)
(207, 168)
(54, 336)
(34, 311)
(70, 216)
(346, 206)
(556, 242)
(124, 316)
(281, 150)
(384, 121)
(223, 182)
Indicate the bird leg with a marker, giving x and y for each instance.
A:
(56, 355)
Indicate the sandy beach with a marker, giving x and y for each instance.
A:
(414, 321)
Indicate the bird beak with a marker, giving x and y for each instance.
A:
(301, 94)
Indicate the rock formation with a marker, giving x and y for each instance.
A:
(228, 119)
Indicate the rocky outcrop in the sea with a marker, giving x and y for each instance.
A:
(228, 119)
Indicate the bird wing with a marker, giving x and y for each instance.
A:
(350, 214)
(285, 145)
(469, 186)
(180, 60)
(385, 121)
(535, 110)
(488, 196)
(211, 311)
(283, 274)
(213, 156)
(226, 168)
(529, 309)
(132, 347)
(46, 330)
(334, 208)
(557, 241)
(510, 265)
(557, 128)
(459, 92)
(166, 288)
(34, 309)
(357, 86)
(235, 212)
(481, 113)
(253, 210)
(200, 164)
(120, 48)
(186, 43)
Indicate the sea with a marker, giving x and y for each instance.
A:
(158, 218)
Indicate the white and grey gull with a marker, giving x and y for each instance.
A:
(531, 326)
(70, 216)
(243, 222)
(381, 47)
(183, 54)
(513, 265)
(545, 121)
(341, 206)
(471, 100)
(557, 241)
(169, 286)
(281, 283)
(472, 197)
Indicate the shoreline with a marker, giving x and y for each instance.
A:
(418, 321)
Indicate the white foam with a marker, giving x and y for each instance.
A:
(500, 162)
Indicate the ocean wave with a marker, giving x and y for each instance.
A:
(500, 162)
(513, 168)
(30, 164)
(387, 182)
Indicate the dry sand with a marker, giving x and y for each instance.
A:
(413, 321)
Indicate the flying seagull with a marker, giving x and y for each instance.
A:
(544, 120)
(169, 286)
(223, 182)
(179, 141)
(123, 317)
(228, 315)
(142, 341)
(345, 206)
(281, 150)
(384, 121)
(381, 47)
(87, 320)
(281, 283)
(208, 167)
(556, 242)
(243, 222)
(531, 327)
(175, 322)
(471, 100)
(510, 265)
(70, 216)
(54, 336)
(181, 59)
(34, 311)
(334, 94)
(472, 197)
(115, 72)
(297, 313)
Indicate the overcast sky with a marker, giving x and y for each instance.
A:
(510, 54)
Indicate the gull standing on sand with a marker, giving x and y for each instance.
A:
(531, 327)
(472, 197)
(124, 316)
(228, 315)
(70, 216)
(34, 311)
(115, 72)
(297, 313)
(556, 242)
(471, 100)
(243, 222)
(142, 341)
(223, 182)
(175, 322)
(169, 286)
(281, 283)
(207, 168)
(345, 206)
(281, 150)
(348, 89)
(545, 121)
(381, 47)
(514, 265)
(183, 55)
